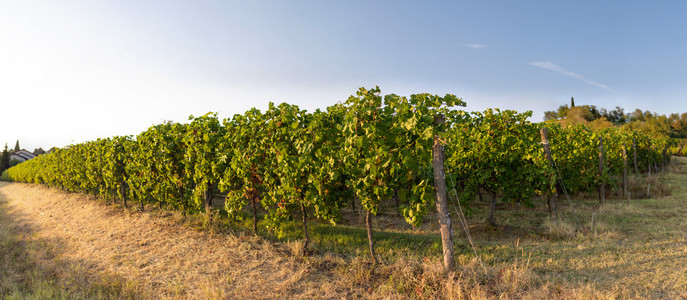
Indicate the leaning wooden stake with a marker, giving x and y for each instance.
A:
(602, 188)
(207, 198)
(625, 194)
(648, 174)
(553, 206)
(207, 203)
(255, 214)
(123, 195)
(305, 228)
(445, 226)
(634, 149)
(370, 238)
(648, 160)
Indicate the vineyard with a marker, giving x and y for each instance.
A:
(369, 151)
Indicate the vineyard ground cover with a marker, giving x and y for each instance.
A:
(637, 251)
(74, 246)
(30, 263)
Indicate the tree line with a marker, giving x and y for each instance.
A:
(673, 125)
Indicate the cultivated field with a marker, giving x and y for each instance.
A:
(55, 244)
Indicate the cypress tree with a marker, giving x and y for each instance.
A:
(4, 159)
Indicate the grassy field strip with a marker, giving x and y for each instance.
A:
(639, 251)
(87, 249)
(61, 245)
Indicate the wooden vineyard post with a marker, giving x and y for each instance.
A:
(305, 227)
(445, 226)
(207, 197)
(648, 174)
(207, 203)
(255, 214)
(553, 207)
(665, 159)
(679, 150)
(602, 188)
(648, 161)
(634, 149)
(123, 190)
(355, 198)
(370, 238)
(625, 173)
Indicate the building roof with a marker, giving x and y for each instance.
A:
(26, 155)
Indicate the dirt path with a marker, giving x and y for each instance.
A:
(152, 256)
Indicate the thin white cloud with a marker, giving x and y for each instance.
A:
(556, 68)
(475, 46)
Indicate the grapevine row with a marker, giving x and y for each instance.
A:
(371, 148)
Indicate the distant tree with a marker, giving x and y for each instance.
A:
(682, 128)
(550, 115)
(16, 146)
(673, 126)
(575, 114)
(637, 115)
(677, 126)
(38, 151)
(4, 159)
(560, 113)
(648, 115)
(579, 114)
(616, 116)
(595, 112)
(652, 124)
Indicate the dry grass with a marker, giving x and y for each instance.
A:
(560, 229)
(643, 187)
(149, 255)
(32, 267)
(60, 245)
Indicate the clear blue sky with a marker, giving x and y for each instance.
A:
(72, 71)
